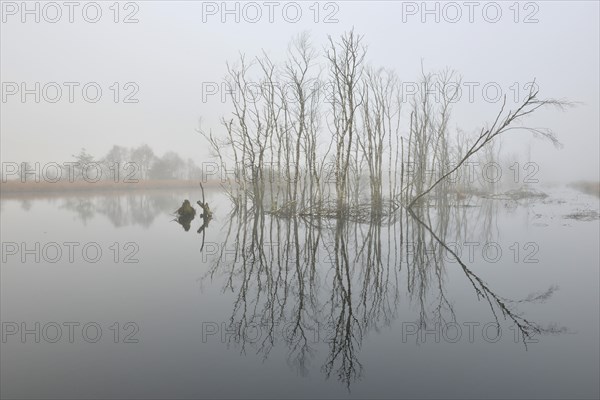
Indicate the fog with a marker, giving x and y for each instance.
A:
(352, 199)
(176, 51)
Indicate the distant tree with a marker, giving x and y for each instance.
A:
(159, 170)
(175, 164)
(82, 160)
(193, 171)
(144, 157)
(114, 163)
(170, 166)
(27, 172)
(84, 157)
(117, 154)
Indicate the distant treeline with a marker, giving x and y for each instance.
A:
(119, 165)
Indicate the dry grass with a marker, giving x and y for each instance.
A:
(587, 187)
(18, 188)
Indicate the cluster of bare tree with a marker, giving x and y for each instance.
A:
(323, 134)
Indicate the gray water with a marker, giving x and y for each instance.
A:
(258, 307)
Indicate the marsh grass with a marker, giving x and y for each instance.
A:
(16, 187)
(587, 187)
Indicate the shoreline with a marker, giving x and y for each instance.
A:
(17, 189)
(12, 189)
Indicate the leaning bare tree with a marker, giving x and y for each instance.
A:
(503, 123)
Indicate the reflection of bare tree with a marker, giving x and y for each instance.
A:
(291, 275)
(498, 305)
(347, 333)
(206, 216)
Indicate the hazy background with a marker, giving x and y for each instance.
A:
(174, 48)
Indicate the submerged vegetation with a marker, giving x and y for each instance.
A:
(518, 194)
(584, 215)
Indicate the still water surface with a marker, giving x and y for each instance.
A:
(131, 304)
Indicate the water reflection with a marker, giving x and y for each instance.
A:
(306, 273)
(121, 209)
(185, 221)
(26, 204)
(185, 215)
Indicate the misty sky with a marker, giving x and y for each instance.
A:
(175, 48)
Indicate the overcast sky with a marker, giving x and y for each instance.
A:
(175, 48)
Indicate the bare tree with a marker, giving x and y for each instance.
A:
(503, 123)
